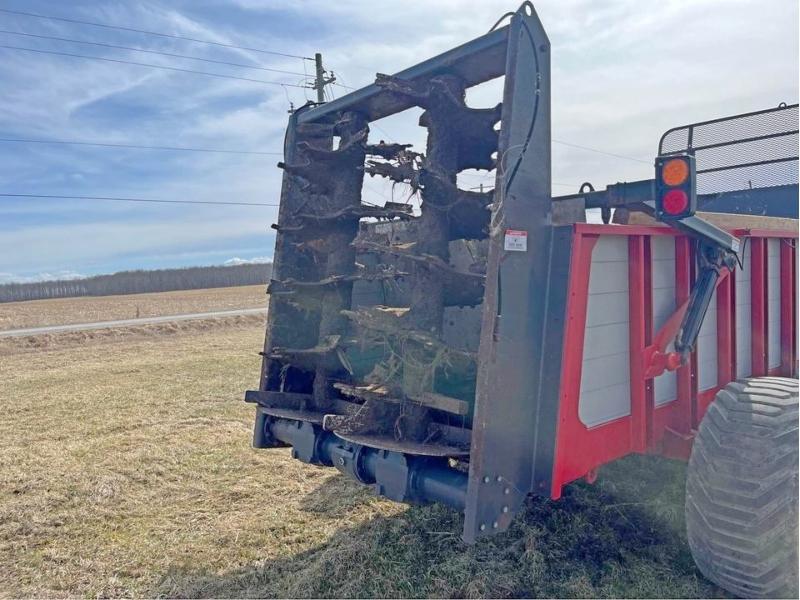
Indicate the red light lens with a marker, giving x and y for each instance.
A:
(675, 202)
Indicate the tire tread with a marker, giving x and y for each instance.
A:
(741, 489)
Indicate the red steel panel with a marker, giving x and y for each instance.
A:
(704, 400)
(649, 397)
(641, 412)
(668, 429)
(683, 287)
(671, 424)
(695, 379)
(794, 365)
(734, 341)
(578, 448)
(758, 290)
(612, 229)
(726, 331)
(788, 302)
(766, 233)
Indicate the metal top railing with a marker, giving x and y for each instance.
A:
(747, 151)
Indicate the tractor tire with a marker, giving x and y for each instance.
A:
(741, 489)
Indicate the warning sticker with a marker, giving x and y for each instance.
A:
(516, 240)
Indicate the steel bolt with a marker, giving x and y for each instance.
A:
(507, 491)
(505, 509)
(486, 479)
(499, 478)
(483, 526)
(341, 460)
(494, 525)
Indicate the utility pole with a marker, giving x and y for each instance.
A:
(320, 81)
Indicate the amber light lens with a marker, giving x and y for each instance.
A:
(675, 171)
(675, 202)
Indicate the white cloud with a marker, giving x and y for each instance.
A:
(247, 261)
(623, 71)
(58, 275)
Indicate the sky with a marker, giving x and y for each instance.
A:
(623, 72)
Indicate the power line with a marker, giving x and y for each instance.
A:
(571, 145)
(135, 49)
(114, 199)
(128, 62)
(146, 32)
(491, 186)
(382, 130)
(230, 151)
(137, 147)
(152, 200)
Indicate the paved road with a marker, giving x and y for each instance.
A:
(129, 322)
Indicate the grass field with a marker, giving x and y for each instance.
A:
(63, 311)
(126, 469)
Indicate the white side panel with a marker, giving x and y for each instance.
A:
(605, 376)
(707, 348)
(662, 251)
(773, 303)
(744, 317)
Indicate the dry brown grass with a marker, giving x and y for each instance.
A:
(63, 311)
(126, 469)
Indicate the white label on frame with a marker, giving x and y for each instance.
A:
(516, 241)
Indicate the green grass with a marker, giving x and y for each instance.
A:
(126, 469)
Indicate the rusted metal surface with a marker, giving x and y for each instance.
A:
(318, 233)
(439, 97)
(476, 61)
(427, 448)
(307, 416)
(375, 273)
(346, 213)
(426, 399)
(289, 323)
(345, 175)
(294, 401)
(397, 371)
(458, 137)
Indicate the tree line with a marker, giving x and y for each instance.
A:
(138, 282)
